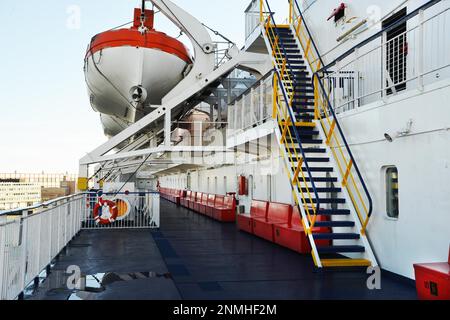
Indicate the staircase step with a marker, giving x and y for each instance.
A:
(301, 125)
(283, 29)
(318, 169)
(314, 150)
(335, 224)
(336, 236)
(297, 149)
(297, 106)
(288, 40)
(334, 212)
(301, 103)
(304, 116)
(286, 36)
(325, 201)
(299, 74)
(301, 78)
(308, 159)
(322, 179)
(298, 67)
(307, 133)
(290, 56)
(290, 50)
(323, 190)
(300, 81)
(340, 249)
(290, 46)
(301, 91)
(312, 141)
(329, 263)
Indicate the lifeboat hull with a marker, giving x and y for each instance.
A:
(129, 70)
(112, 73)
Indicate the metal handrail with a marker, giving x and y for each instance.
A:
(316, 206)
(19, 211)
(331, 133)
(255, 85)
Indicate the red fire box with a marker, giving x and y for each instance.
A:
(433, 281)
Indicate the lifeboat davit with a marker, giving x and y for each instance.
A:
(128, 70)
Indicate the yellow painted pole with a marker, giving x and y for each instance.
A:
(291, 10)
(275, 96)
(261, 10)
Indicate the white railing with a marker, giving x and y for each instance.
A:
(31, 238)
(385, 67)
(253, 108)
(252, 18)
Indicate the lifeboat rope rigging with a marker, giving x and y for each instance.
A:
(217, 33)
(184, 27)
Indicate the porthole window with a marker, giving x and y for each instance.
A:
(392, 201)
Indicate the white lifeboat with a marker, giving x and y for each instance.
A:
(128, 70)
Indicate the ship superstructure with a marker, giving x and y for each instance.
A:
(302, 112)
(326, 134)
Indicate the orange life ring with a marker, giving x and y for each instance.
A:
(114, 212)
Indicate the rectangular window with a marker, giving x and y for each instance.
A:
(392, 201)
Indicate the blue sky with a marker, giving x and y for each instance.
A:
(46, 122)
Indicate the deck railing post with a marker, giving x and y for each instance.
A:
(155, 208)
(23, 244)
(3, 227)
(38, 245)
(50, 236)
(419, 54)
(384, 73)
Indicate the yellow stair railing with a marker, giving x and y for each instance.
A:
(351, 176)
(283, 98)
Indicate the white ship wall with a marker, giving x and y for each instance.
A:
(422, 231)
(326, 33)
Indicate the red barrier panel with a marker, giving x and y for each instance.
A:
(198, 202)
(192, 201)
(227, 211)
(257, 209)
(276, 213)
(210, 206)
(292, 235)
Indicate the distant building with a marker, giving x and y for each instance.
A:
(48, 194)
(45, 180)
(15, 195)
(25, 189)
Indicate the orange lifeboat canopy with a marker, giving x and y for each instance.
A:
(133, 37)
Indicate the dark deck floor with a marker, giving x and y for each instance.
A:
(193, 257)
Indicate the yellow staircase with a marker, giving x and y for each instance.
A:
(326, 182)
